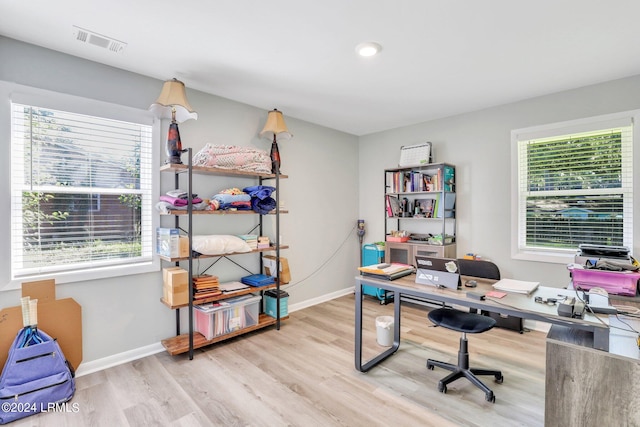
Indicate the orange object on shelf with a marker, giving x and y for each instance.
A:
(397, 239)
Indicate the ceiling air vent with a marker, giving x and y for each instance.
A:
(90, 37)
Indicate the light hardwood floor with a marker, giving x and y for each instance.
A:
(304, 375)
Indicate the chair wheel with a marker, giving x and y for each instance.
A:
(499, 379)
(490, 397)
(442, 388)
(430, 366)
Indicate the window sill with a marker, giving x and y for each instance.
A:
(541, 256)
(88, 275)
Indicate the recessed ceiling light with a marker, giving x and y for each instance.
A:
(368, 48)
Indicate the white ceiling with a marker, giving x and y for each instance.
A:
(439, 57)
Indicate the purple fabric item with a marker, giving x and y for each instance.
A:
(259, 191)
(264, 206)
(34, 377)
(177, 201)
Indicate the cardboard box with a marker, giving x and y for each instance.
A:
(175, 288)
(183, 251)
(269, 262)
(168, 242)
(59, 318)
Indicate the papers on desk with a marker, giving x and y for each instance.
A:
(517, 286)
(388, 271)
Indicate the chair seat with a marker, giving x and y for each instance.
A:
(461, 321)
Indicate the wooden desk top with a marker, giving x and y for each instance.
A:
(512, 304)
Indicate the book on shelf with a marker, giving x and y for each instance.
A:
(202, 295)
(425, 207)
(251, 239)
(263, 242)
(395, 210)
(205, 279)
(205, 286)
(445, 209)
(449, 178)
(408, 182)
(418, 181)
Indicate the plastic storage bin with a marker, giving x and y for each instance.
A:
(614, 282)
(373, 254)
(223, 317)
(270, 303)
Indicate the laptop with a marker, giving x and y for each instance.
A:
(439, 272)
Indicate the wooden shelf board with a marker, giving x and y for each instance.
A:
(250, 290)
(216, 171)
(180, 344)
(220, 212)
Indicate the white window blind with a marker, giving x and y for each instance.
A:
(575, 188)
(80, 192)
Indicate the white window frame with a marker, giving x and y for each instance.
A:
(563, 128)
(57, 101)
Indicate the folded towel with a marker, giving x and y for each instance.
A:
(230, 198)
(177, 201)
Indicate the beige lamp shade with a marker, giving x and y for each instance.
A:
(173, 97)
(275, 126)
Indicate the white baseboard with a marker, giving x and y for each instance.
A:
(87, 368)
(138, 353)
(321, 299)
(118, 359)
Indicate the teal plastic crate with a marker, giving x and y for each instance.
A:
(270, 303)
(373, 254)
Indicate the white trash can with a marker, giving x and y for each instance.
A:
(384, 329)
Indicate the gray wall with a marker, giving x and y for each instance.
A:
(479, 144)
(321, 194)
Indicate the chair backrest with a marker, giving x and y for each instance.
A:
(478, 268)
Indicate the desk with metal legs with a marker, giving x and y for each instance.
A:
(512, 305)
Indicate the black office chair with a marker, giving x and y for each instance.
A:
(467, 323)
(488, 270)
(478, 268)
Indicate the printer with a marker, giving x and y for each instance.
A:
(591, 254)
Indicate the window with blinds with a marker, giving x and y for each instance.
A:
(80, 192)
(575, 188)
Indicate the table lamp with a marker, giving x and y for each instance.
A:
(275, 128)
(172, 103)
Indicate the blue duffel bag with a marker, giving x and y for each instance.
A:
(35, 378)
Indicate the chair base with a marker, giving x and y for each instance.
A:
(462, 369)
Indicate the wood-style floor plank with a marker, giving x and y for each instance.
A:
(304, 375)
